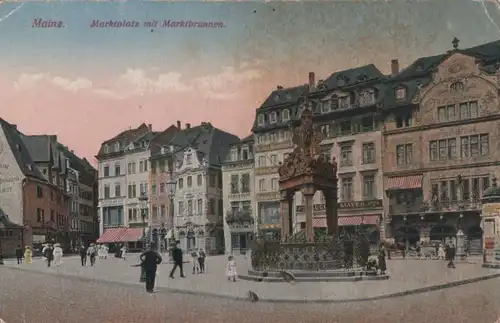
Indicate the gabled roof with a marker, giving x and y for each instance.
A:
(125, 137)
(288, 95)
(39, 147)
(163, 138)
(353, 76)
(21, 153)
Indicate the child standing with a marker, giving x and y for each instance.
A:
(231, 269)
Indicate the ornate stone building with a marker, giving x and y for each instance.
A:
(238, 194)
(441, 144)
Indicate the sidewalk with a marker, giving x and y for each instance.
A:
(405, 277)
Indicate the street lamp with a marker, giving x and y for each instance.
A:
(171, 186)
(143, 200)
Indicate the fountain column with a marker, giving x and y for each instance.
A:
(285, 215)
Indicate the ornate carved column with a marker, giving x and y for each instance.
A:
(331, 212)
(285, 214)
(308, 196)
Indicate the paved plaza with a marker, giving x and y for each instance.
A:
(405, 276)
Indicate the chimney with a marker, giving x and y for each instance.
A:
(394, 67)
(150, 126)
(312, 83)
(178, 124)
(188, 125)
(279, 87)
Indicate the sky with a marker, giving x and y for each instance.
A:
(86, 85)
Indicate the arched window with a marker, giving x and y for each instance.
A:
(457, 87)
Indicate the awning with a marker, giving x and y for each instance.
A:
(371, 219)
(112, 235)
(131, 235)
(404, 182)
(358, 220)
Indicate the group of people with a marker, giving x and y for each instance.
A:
(198, 258)
(53, 253)
(26, 254)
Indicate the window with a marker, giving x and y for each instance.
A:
(234, 184)
(443, 149)
(189, 159)
(162, 188)
(262, 161)
(190, 207)
(469, 110)
(273, 160)
(106, 171)
(442, 114)
(260, 120)
(346, 155)
(404, 154)
(141, 166)
(106, 191)
(211, 206)
(161, 166)
(475, 188)
(367, 124)
(181, 208)
(106, 149)
(344, 102)
(474, 146)
(285, 115)
(189, 181)
(326, 107)
(272, 117)
(262, 185)
(369, 187)
(245, 183)
(40, 215)
(199, 180)
(118, 192)
(244, 153)
(234, 154)
(367, 97)
(133, 168)
(212, 180)
(117, 170)
(155, 211)
(129, 168)
(404, 120)
(457, 87)
(200, 206)
(117, 146)
(453, 190)
(181, 183)
(345, 128)
(154, 190)
(145, 165)
(162, 211)
(369, 153)
(451, 113)
(39, 192)
(347, 189)
(400, 93)
(274, 184)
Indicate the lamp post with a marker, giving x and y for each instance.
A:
(171, 186)
(143, 200)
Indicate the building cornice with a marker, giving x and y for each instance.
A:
(420, 171)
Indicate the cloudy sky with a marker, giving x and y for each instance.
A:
(87, 84)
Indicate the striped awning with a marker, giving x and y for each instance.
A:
(404, 182)
(358, 220)
(319, 222)
(132, 235)
(112, 235)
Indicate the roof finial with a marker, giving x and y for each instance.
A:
(494, 181)
(455, 42)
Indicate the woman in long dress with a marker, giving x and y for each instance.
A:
(441, 253)
(27, 255)
(58, 253)
(381, 260)
(105, 251)
(124, 252)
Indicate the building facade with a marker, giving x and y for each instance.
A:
(114, 167)
(239, 196)
(198, 198)
(441, 144)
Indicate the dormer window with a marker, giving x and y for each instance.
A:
(244, 153)
(272, 117)
(189, 159)
(234, 154)
(344, 102)
(163, 150)
(260, 120)
(106, 149)
(117, 146)
(326, 106)
(400, 93)
(285, 115)
(367, 97)
(131, 146)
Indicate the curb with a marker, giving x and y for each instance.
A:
(281, 301)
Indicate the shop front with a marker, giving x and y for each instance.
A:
(11, 236)
(241, 229)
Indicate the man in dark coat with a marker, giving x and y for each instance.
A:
(49, 254)
(19, 255)
(177, 257)
(83, 255)
(450, 255)
(149, 261)
(201, 260)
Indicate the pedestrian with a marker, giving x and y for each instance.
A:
(83, 255)
(19, 255)
(177, 257)
(27, 254)
(91, 252)
(105, 251)
(231, 269)
(441, 254)
(149, 261)
(450, 255)
(123, 252)
(196, 265)
(48, 253)
(201, 260)
(381, 259)
(58, 254)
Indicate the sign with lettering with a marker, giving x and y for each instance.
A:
(108, 203)
(491, 209)
(343, 205)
